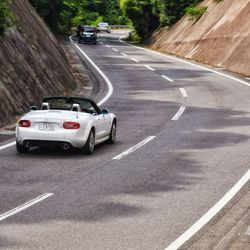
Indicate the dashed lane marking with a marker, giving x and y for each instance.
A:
(167, 78)
(134, 148)
(150, 68)
(25, 205)
(184, 93)
(124, 54)
(178, 114)
(135, 60)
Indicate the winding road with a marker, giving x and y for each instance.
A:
(183, 142)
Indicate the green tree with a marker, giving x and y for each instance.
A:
(6, 16)
(141, 14)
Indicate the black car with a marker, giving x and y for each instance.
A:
(87, 34)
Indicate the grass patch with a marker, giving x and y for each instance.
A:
(195, 12)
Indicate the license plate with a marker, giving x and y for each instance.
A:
(88, 35)
(46, 126)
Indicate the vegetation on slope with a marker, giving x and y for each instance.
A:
(61, 15)
(6, 16)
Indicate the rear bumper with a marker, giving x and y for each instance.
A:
(36, 138)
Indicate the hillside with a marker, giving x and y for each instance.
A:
(32, 64)
(221, 37)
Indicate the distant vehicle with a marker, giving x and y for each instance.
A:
(103, 27)
(87, 34)
(68, 122)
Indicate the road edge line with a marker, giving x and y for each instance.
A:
(187, 235)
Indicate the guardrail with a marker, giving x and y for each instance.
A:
(120, 27)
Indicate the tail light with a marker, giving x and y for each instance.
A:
(71, 125)
(24, 123)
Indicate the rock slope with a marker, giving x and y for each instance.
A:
(32, 64)
(221, 37)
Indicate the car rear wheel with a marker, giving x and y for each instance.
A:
(112, 134)
(90, 144)
(22, 149)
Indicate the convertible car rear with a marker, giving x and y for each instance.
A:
(68, 122)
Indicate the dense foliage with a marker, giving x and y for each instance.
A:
(6, 16)
(145, 15)
(61, 15)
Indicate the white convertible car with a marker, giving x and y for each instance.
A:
(68, 122)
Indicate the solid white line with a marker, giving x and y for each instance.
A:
(110, 86)
(7, 145)
(124, 54)
(167, 78)
(217, 208)
(24, 206)
(149, 67)
(132, 149)
(115, 50)
(110, 91)
(135, 60)
(210, 214)
(184, 93)
(178, 114)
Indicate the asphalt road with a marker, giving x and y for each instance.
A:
(197, 123)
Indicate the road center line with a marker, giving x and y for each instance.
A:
(124, 54)
(135, 60)
(8, 145)
(115, 49)
(167, 78)
(25, 205)
(184, 93)
(149, 67)
(134, 148)
(178, 114)
(108, 46)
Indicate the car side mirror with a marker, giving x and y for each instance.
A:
(105, 111)
(33, 108)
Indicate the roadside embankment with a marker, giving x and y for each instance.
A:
(221, 37)
(33, 64)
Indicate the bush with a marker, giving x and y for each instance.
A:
(6, 16)
(195, 12)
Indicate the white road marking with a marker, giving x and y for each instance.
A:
(108, 95)
(24, 206)
(178, 114)
(217, 208)
(248, 231)
(110, 86)
(149, 67)
(115, 49)
(134, 148)
(210, 214)
(108, 46)
(167, 78)
(8, 145)
(184, 93)
(182, 60)
(124, 54)
(135, 60)
(101, 42)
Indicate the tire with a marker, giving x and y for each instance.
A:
(90, 144)
(112, 134)
(22, 149)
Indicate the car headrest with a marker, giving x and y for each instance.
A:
(76, 107)
(45, 106)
